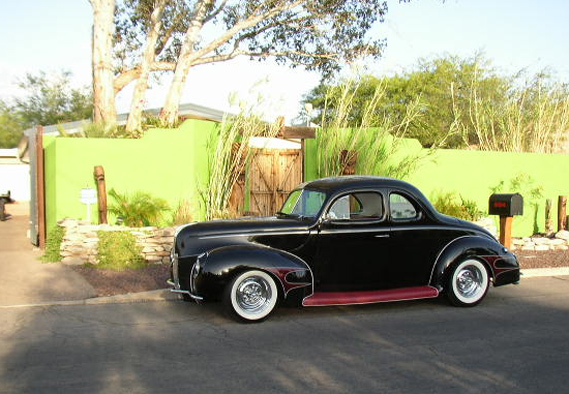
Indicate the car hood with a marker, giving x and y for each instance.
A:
(244, 226)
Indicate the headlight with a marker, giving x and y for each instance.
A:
(198, 265)
(196, 269)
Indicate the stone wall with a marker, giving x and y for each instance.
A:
(558, 241)
(80, 241)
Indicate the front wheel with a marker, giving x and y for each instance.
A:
(251, 296)
(468, 283)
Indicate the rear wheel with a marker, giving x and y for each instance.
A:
(251, 296)
(468, 283)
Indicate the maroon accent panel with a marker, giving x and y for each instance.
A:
(493, 261)
(281, 273)
(368, 297)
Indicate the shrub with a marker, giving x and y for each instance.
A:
(139, 209)
(118, 251)
(453, 204)
(183, 213)
(96, 130)
(53, 245)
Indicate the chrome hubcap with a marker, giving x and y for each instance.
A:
(253, 294)
(469, 281)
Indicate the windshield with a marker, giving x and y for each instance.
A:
(303, 203)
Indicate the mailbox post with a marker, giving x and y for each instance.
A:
(506, 206)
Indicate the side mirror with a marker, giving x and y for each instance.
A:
(325, 218)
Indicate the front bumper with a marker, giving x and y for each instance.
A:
(177, 290)
(174, 282)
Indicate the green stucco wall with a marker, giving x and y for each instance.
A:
(473, 174)
(171, 164)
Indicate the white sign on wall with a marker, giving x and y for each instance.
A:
(88, 196)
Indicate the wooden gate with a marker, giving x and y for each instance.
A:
(273, 174)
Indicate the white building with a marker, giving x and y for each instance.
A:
(14, 175)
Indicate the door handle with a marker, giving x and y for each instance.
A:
(381, 236)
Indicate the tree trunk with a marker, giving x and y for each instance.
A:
(135, 116)
(172, 104)
(102, 45)
(184, 63)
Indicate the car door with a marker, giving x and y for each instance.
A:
(352, 243)
(416, 241)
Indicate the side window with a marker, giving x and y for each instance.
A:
(401, 208)
(357, 206)
(340, 210)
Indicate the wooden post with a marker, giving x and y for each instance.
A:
(562, 213)
(506, 231)
(302, 153)
(548, 216)
(348, 160)
(40, 187)
(99, 173)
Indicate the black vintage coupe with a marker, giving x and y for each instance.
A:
(339, 241)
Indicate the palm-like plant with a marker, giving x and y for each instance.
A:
(138, 209)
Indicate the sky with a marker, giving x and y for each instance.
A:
(53, 35)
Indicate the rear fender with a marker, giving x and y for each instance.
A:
(484, 249)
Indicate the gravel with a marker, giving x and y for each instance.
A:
(543, 259)
(108, 283)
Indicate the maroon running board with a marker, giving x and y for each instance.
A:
(370, 297)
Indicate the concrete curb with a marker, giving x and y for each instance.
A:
(146, 296)
(539, 272)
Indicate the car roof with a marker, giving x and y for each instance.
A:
(348, 182)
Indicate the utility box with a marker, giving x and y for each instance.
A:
(506, 204)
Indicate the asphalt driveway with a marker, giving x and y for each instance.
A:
(24, 279)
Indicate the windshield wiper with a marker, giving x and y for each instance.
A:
(292, 215)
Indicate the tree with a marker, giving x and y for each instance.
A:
(153, 32)
(315, 34)
(442, 87)
(11, 127)
(51, 99)
(102, 60)
(46, 100)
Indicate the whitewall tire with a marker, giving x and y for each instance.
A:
(468, 283)
(251, 296)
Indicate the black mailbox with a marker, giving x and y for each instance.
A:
(506, 204)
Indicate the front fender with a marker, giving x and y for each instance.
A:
(502, 265)
(219, 266)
